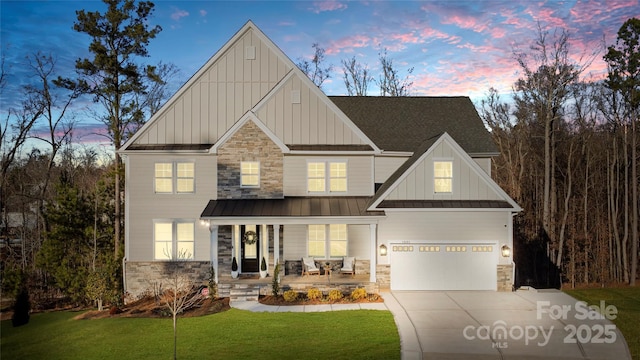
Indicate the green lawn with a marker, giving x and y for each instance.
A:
(627, 301)
(234, 334)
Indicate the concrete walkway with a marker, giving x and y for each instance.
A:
(526, 324)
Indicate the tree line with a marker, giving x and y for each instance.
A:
(568, 156)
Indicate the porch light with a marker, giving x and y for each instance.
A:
(383, 250)
(506, 251)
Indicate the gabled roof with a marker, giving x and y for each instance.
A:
(418, 157)
(403, 123)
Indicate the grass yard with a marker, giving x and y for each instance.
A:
(234, 334)
(627, 301)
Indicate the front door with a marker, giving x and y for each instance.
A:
(250, 241)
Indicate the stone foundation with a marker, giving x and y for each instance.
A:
(143, 277)
(505, 277)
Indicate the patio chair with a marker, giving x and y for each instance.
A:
(348, 266)
(309, 267)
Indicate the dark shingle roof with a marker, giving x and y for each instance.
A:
(165, 147)
(404, 123)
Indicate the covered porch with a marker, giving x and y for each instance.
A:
(281, 227)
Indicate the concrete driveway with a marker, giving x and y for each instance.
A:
(526, 324)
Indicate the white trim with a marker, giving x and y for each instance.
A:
(475, 167)
(327, 176)
(259, 175)
(290, 220)
(248, 116)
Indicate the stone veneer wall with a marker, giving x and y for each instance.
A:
(505, 277)
(383, 276)
(143, 276)
(250, 143)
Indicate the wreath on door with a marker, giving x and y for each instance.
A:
(250, 237)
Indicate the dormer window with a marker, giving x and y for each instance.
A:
(442, 177)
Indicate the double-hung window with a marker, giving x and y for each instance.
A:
(250, 174)
(327, 241)
(173, 240)
(326, 176)
(174, 175)
(442, 176)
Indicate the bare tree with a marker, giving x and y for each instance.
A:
(390, 82)
(315, 68)
(180, 295)
(543, 90)
(356, 77)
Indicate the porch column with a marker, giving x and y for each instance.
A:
(264, 245)
(373, 234)
(276, 244)
(213, 236)
(235, 251)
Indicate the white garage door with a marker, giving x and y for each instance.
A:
(440, 266)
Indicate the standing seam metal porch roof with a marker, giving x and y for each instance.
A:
(291, 207)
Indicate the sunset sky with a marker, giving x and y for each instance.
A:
(455, 47)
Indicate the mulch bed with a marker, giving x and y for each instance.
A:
(280, 301)
(148, 308)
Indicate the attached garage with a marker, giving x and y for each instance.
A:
(443, 266)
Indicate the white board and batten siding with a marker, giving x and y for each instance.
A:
(467, 184)
(359, 174)
(144, 205)
(219, 94)
(311, 120)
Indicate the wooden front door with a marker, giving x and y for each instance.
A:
(250, 245)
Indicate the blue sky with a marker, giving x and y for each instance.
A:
(455, 47)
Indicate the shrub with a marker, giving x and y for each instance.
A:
(21, 308)
(290, 295)
(373, 297)
(314, 294)
(275, 282)
(263, 264)
(234, 264)
(335, 294)
(359, 293)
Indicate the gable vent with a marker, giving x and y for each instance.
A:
(250, 53)
(295, 96)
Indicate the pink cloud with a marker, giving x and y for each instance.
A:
(178, 14)
(330, 5)
(203, 12)
(347, 44)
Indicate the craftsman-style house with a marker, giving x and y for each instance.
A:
(251, 160)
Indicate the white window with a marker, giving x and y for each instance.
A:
(321, 173)
(250, 174)
(185, 177)
(442, 176)
(327, 239)
(182, 174)
(164, 178)
(315, 174)
(174, 240)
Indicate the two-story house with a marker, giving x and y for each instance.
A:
(251, 160)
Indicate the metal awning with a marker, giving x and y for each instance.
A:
(291, 208)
